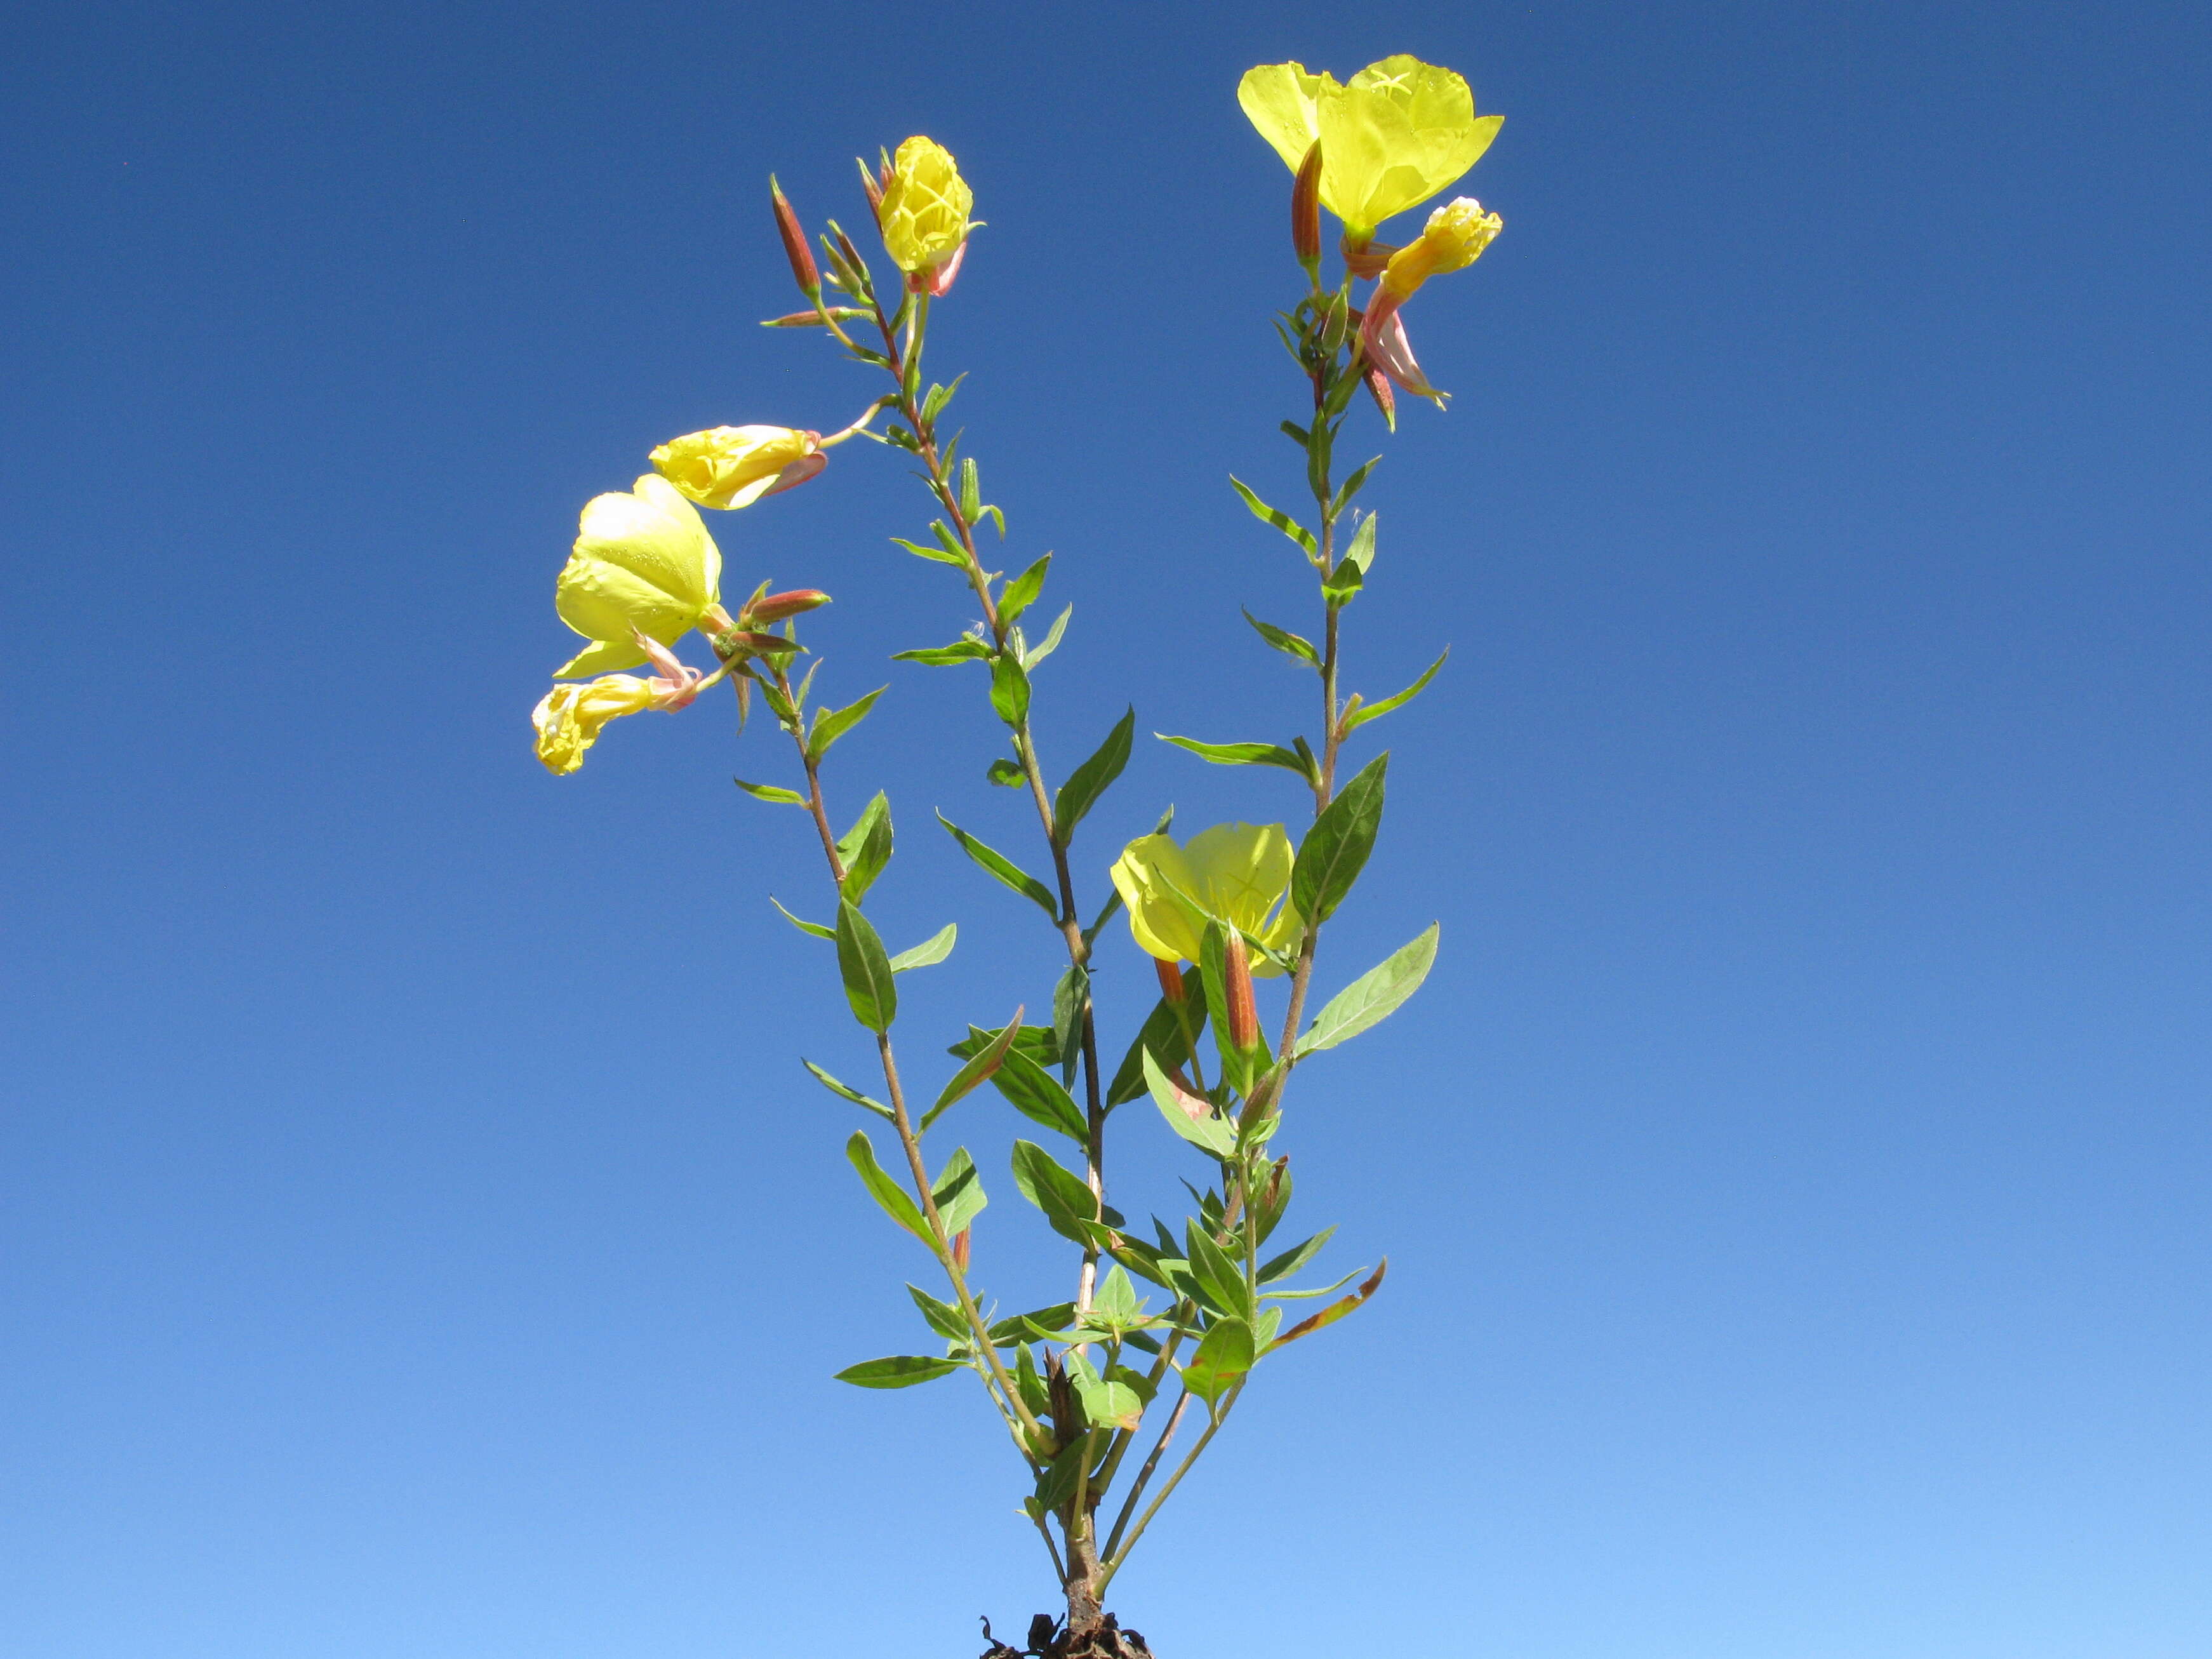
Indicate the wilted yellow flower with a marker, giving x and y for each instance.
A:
(642, 561)
(1392, 137)
(924, 208)
(1233, 873)
(735, 465)
(1453, 240)
(569, 717)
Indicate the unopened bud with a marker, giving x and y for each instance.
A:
(1305, 210)
(873, 186)
(960, 1249)
(775, 607)
(1244, 1012)
(1171, 985)
(794, 243)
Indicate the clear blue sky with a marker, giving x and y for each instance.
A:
(419, 1238)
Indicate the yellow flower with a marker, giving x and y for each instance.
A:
(569, 717)
(1453, 240)
(736, 466)
(1233, 873)
(925, 209)
(642, 561)
(1392, 137)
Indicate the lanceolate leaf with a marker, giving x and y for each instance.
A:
(1283, 1266)
(1038, 1095)
(1374, 711)
(959, 1193)
(944, 1318)
(1010, 689)
(1037, 652)
(979, 1067)
(1003, 868)
(941, 555)
(1361, 553)
(1067, 1203)
(772, 792)
(1021, 592)
(1373, 997)
(931, 952)
(1282, 521)
(813, 927)
(866, 848)
(1335, 1310)
(1163, 1037)
(1335, 849)
(947, 656)
(832, 724)
(886, 1191)
(1243, 754)
(1187, 1114)
(1224, 1355)
(851, 1094)
(1090, 781)
(1290, 644)
(899, 1372)
(869, 986)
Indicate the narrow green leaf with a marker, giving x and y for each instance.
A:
(955, 552)
(933, 406)
(869, 986)
(1003, 868)
(813, 927)
(832, 724)
(1057, 1484)
(1021, 592)
(1037, 1042)
(1010, 689)
(995, 514)
(1105, 914)
(1243, 754)
(1070, 996)
(947, 656)
(1351, 487)
(931, 952)
(1163, 1037)
(1290, 644)
(1283, 1266)
(1224, 1355)
(1039, 1325)
(861, 1153)
(936, 553)
(851, 1094)
(1282, 521)
(866, 848)
(1189, 1116)
(1371, 998)
(1296, 433)
(1361, 553)
(899, 1372)
(1090, 779)
(1068, 1205)
(959, 1193)
(1335, 849)
(943, 1317)
(1037, 654)
(1220, 1281)
(770, 792)
(1334, 1311)
(1038, 1095)
(1375, 711)
(979, 1067)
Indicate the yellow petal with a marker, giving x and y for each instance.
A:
(641, 560)
(730, 466)
(1242, 870)
(1398, 132)
(1147, 875)
(924, 208)
(1279, 99)
(568, 718)
(601, 657)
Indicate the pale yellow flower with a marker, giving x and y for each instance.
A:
(569, 717)
(1392, 137)
(1234, 873)
(642, 560)
(731, 466)
(924, 208)
(1453, 240)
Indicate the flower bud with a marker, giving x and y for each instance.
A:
(802, 270)
(732, 466)
(1305, 210)
(777, 606)
(1171, 985)
(960, 1249)
(924, 215)
(1243, 1013)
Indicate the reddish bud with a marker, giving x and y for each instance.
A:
(874, 186)
(1243, 1013)
(960, 1249)
(1171, 985)
(1305, 210)
(1365, 259)
(794, 243)
(775, 607)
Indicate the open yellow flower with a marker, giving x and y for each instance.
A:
(730, 466)
(924, 214)
(569, 717)
(1233, 873)
(642, 560)
(1392, 137)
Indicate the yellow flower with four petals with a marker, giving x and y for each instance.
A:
(1234, 873)
(642, 560)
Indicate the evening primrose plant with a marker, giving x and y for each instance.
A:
(1108, 1397)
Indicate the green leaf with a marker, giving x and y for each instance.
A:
(1021, 592)
(959, 1193)
(770, 792)
(1003, 868)
(869, 986)
(980, 1064)
(899, 1372)
(1371, 998)
(1220, 1281)
(1090, 779)
(1037, 1042)
(1361, 554)
(1224, 1355)
(1007, 774)
(1039, 1325)
(951, 542)
(1244, 754)
(1069, 999)
(1037, 654)
(866, 848)
(1189, 1116)
(1351, 487)
(1038, 1095)
(1057, 1484)
(947, 656)
(1163, 1037)
(861, 1153)
(1282, 521)
(1105, 914)
(1336, 849)
(1105, 1405)
(1334, 1311)
(1032, 1387)
(1116, 1299)
(931, 952)
(936, 553)
(1067, 1203)
(1375, 711)
(1283, 1266)
(944, 1318)
(1342, 585)
(832, 724)
(1290, 644)
(1296, 433)
(934, 404)
(813, 927)
(837, 1088)
(1010, 689)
